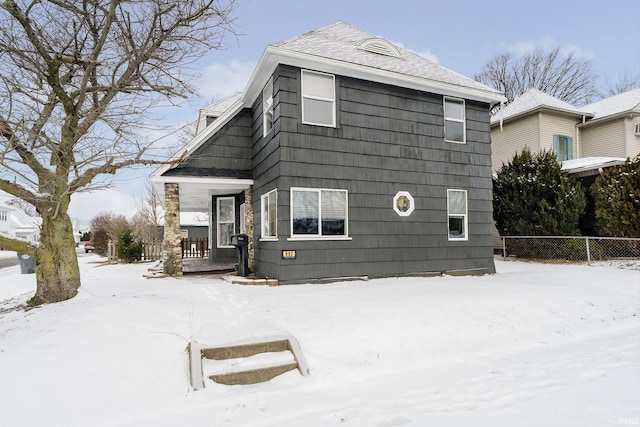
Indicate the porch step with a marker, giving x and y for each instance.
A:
(251, 361)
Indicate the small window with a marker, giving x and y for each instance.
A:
(226, 218)
(454, 120)
(3, 215)
(403, 203)
(267, 107)
(457, 213)
(318, 99)
(318, 212)
(563, 147)
(269, 219)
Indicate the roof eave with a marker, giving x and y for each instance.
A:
(275, 55)
(540, 108)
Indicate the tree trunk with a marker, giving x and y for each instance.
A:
(57, 272)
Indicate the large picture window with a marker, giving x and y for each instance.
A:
(267, 107)
(269, 220)
(457, 213)
(318, 98)
(318, 212)
(454, 120)
(226, 219)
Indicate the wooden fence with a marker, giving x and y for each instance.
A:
(191, 248)
(197, 247)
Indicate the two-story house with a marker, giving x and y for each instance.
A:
(585, 140)
(14, 222)
(345, 156)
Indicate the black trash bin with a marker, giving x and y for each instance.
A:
(27, 264)
(241, 242)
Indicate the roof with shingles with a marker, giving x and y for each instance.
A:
(342, 41)
(627, 101)
(532, 100)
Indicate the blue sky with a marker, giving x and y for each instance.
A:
(461, 35)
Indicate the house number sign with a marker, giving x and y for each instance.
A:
(289, 254)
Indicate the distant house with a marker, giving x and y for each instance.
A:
(345, 156)
(585, 140)
(14, 222)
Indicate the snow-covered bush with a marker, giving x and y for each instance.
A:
(532, 196)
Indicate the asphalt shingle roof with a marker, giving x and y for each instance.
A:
(532, 100)
(615, 104)
(341, 41)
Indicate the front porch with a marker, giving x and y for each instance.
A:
(207, 266)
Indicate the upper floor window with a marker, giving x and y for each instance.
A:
(563, 147)
(318, 212)
(454, 120)
(457, 213)
(269, 218)
(318, 98)
(267, 107)
(3, 215)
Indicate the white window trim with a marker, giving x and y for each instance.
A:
(466, 217)
(265, 199)
(412, 203)
(267, 105)
(218, 220)
(299, 237)
(463, 120)
(332, 100)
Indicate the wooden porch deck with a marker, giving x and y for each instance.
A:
(206, 266)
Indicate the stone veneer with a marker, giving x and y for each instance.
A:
(248, 224)
(172, 244)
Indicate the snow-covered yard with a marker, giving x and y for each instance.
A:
(534, 345)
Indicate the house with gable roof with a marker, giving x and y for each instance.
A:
(14, 222)
(585, 140)
(345, 156)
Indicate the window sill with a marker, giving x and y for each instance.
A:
(268, 239)
(310, 238)
(455, 142)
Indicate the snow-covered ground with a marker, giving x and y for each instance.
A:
(534, 345)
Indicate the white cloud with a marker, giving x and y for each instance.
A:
(221, 80)
(86, 205)
(425, 53)
(547, 43)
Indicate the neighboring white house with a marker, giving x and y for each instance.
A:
(15, 222)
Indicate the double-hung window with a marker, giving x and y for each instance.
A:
(226, 219)
(454, 120)
(563, 147)
(267, 107)
(269, 216)
(318, 98)
(318, 213)
(457, 214)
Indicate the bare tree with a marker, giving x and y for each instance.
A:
(148, 219)
(104, 228)
(77, 84)
(624, 83)
(555, 72)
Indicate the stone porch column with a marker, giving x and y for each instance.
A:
(172, 243)
(248, 224)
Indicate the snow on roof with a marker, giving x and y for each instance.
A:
(615, 104)
(534, 99)
(346, 43)
(217, 108)
(590, 163)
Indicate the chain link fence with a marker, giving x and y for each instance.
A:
(571, 248)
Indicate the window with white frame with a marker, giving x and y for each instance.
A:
(267, 107)
(3, 215)
(269, 217)
(454, 120)
(226, 219)
(318, 212)
(318, 98)
(457, 213)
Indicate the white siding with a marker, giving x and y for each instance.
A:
(513, 137)
(633, 140)
(556, 125)
(603, 140)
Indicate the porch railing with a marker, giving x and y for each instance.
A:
(197, 247)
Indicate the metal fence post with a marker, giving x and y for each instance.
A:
(588, 251)
(504, 248)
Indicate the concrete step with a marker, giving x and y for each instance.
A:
(250, 362)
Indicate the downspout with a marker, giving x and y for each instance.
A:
(578, 144)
